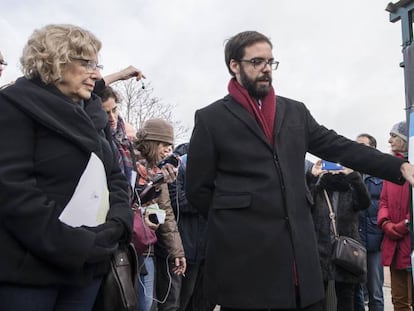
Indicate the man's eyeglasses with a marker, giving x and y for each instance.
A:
(90, 65)
(3, 62)
(260, 63)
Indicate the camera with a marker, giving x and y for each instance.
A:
(153, 218)
(331, 166)
(172, 159)
(155, 214)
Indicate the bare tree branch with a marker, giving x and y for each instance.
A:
(138, 105)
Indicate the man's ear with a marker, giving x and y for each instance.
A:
(235, 66)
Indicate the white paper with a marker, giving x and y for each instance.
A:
(89, 204)
(133, 179)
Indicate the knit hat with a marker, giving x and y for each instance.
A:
(400, 129)
(158, 130)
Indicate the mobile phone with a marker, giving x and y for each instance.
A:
(155, 214)
(172, 159)
(331, 166)
(153, 218)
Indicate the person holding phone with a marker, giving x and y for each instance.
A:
(348, 195)
(154, 141)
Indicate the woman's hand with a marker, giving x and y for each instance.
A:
(169, 172)
(180, 265)
(149, 223)
(317, 168)
(347, 170)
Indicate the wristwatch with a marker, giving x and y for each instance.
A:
(407, 223)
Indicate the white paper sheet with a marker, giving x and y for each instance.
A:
(90, 201)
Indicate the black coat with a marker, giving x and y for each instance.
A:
(371, 234)
(259, 219)
(191, 224)
(46, 141)
(348, 196)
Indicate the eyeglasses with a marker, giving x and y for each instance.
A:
(3, 62)
(90, 65)
(260, 63)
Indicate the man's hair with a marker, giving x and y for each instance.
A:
(371, 139)
(51, 48)
(109, 92)
(235, 46)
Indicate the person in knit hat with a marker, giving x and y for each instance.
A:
(394, 219)
(399, 130)
(157, 130)
(154, 141)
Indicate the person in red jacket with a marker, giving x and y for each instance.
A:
(394, 219)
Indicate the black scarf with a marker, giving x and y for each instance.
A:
(51, 108)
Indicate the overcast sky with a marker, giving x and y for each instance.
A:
(341, 58)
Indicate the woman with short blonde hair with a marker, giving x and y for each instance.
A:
(61, 137)
(51, 48)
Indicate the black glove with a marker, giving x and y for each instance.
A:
(98, 253)
(106, 241)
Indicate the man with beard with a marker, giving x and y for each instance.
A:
(245, 172)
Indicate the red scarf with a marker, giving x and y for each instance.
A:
(265, 116)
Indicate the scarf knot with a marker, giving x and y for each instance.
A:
(265, 115)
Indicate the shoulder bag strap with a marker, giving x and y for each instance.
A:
(331, 214)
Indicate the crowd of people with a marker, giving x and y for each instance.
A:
(237, 217)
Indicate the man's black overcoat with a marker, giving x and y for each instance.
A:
(260, 227)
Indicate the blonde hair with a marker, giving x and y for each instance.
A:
(51, 48)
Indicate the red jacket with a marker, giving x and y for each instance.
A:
(394, 207)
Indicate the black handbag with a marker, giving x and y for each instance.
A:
(347, 252)
(117, 290)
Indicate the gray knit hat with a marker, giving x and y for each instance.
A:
(157, 130)
(400, 129)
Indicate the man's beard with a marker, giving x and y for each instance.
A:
(255, 91)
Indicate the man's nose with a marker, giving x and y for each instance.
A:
(267, 67)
